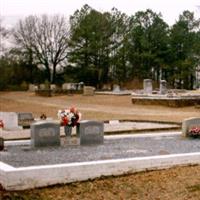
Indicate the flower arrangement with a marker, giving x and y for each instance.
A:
(194, 132)
(43, 116)
(69, 117)
(1, 124)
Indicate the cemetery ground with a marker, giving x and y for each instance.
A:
(178, 183)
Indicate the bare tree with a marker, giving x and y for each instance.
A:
(46, 39)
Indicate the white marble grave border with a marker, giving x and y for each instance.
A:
(22, 178)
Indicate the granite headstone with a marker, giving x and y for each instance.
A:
(25, 118)
(91, 132)
(45, 133)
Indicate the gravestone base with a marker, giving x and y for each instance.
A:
(71, 141)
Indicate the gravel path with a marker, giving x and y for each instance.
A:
(113, 148)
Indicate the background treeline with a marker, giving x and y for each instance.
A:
(100, 48)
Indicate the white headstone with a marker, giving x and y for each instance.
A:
(10, 120)
(31, 88)
(114, 122)
(66, 86)
(116, 88)
(190, 123)
(147, 85)
(163, 87)
(53, 86)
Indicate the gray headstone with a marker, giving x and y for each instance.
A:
(163, 87)
(147, 86)
(25, 119)
(45, 133)
(91, 132)
(190, 123)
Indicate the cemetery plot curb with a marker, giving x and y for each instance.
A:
(39, 176)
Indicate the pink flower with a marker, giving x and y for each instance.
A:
(69, 117)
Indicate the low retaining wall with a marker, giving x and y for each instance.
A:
(171, 102)
(39, 176)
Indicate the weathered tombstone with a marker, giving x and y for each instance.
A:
(163, 87)
(116, 88)
(88, 90)
(73, 86)
(53, 86)
(31, 88)
(106, 87)
(189, 124)
(147, 86)
(80, 86)
(66, 86)
(42, 86)
(91, 132)
(10, 120)
(45, 133)
(25, 119)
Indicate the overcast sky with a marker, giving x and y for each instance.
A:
(13, 9)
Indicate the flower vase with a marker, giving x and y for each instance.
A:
(68, 131)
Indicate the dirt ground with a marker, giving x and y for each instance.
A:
(179, 183)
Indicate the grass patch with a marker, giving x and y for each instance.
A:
(194, 188)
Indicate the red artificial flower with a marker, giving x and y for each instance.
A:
(65, 121)
(1, 124)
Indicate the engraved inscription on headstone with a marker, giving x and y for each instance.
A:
(91, 132)
(92, 129)
(45, 133)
